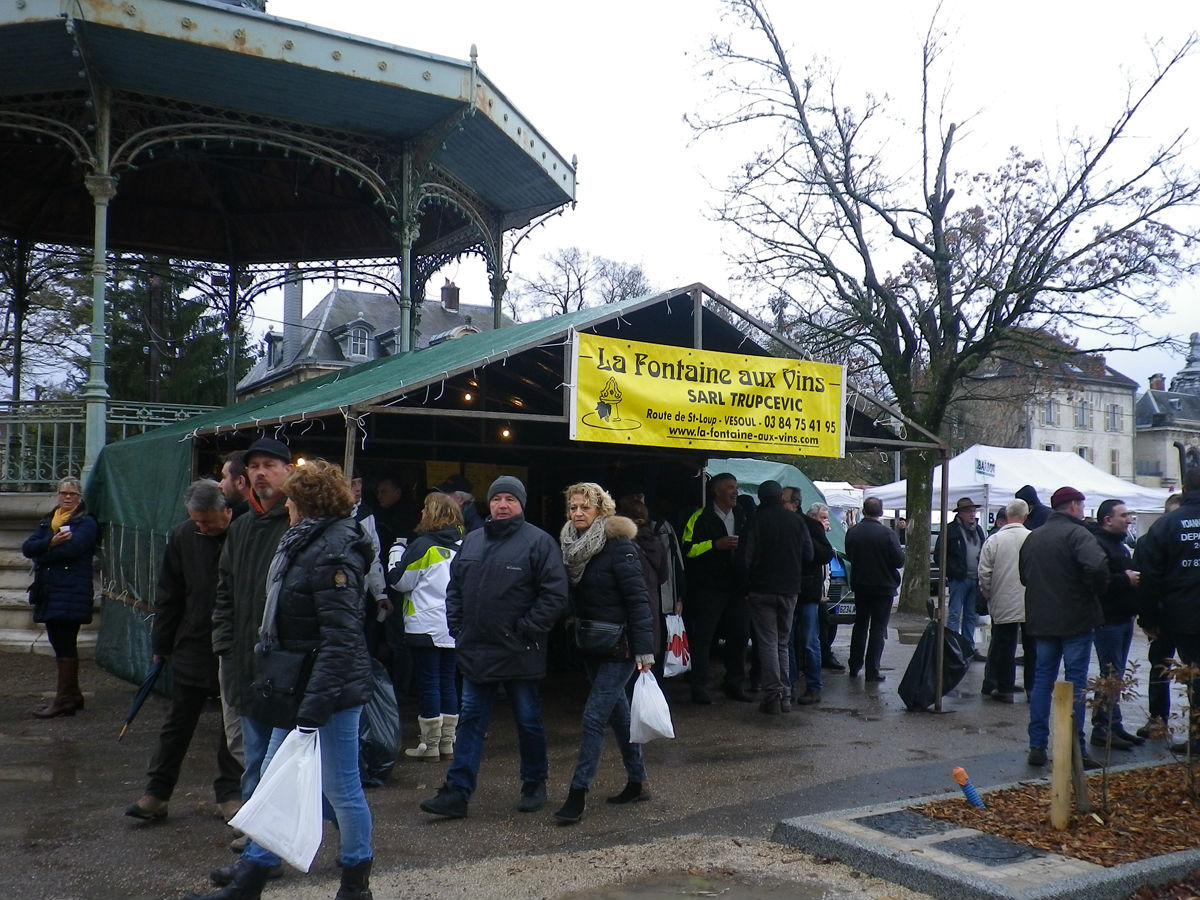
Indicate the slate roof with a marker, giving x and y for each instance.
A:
(1157, 409)
(319, 348)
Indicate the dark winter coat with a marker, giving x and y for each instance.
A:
(656, 572)
(508, 588)
(1039, 512)
(775, 550)
(321, 606)
(710, 570)
(956, 547)
(812, 582)
(613, 587)
(1120, 599)
(875, 556)
(1064, 572)
(1169, 558)
(63, 574)
(242, 593)
(183, 605)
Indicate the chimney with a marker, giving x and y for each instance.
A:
(293, 316)
(450, 296)
(1157, 382)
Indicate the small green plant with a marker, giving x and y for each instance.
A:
(1189, 676)
(1105, 691)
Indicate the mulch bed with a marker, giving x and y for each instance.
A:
(1150, 812)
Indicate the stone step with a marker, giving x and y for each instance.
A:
(30, 640)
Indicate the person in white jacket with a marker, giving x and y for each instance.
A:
(1000, 585)
(421, 574)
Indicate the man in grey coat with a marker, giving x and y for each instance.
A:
(1064, 572)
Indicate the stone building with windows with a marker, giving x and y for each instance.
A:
(1072, 402)
(1168, 420)
(351, 327)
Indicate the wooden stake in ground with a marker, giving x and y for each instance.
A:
(1062, 737)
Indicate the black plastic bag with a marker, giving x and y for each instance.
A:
(378, 730)
(918, 687)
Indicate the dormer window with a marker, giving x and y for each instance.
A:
(356, 339)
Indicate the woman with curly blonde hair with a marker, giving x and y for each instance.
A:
(608, 596)
(316, 588)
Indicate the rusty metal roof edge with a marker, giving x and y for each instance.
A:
(268, 37)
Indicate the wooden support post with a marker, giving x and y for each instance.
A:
(1062, 736)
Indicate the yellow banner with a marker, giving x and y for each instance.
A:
(629, 392)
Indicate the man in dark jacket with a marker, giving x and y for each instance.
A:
(182, 635)
(1064, 572)
(1120, 604)
(1169, 557)
(460, 490)
(242, 590)
(964, 539)
(1160, 653)
(508, 587)
(715, 596)
(876, 558)
(1038, 511)
(807, 639)
(775, 552)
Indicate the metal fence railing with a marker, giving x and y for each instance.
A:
(43, 441)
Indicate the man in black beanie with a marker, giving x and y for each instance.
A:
(508, 587)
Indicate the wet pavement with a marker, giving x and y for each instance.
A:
(719, 790)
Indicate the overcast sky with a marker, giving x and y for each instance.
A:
(610, 82)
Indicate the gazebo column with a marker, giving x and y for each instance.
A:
(95, 393)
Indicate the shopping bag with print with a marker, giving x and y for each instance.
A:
(677, 659)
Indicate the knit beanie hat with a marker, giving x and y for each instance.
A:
(507, 484)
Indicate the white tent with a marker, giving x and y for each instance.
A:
(840, 494)
(991, 476)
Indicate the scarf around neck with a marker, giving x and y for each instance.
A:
(578, 547)
(289, 545)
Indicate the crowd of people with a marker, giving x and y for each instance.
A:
(1060, 587)
(279, 561)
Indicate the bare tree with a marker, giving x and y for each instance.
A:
(617, 281)
(925, 271)
(570, 279)
(38, 285)
(564, 282)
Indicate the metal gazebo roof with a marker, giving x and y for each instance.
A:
(242, 137)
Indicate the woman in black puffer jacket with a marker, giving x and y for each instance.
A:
(607, 586)
(61, 549)
(315, 596)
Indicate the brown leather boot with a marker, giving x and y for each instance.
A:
(63, 703)
(73, 690)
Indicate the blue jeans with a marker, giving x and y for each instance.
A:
(805, 646)
(474, 715)
(607, 704)
(961, 616)
(256, 738)
(1112, 651)
(1074, 652)
(341, 785)
(433, 668)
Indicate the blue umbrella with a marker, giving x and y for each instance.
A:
(143, 692)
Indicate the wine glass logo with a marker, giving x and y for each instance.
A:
(610, 401)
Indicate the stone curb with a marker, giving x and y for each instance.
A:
(917, 862)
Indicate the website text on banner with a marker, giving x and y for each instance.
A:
(629, 392)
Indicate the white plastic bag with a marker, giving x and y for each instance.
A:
(678, 658)
(649, 715)
(284, 813)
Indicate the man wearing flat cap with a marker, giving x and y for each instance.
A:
(458, 488)
(964, 537)
(1064, 571)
